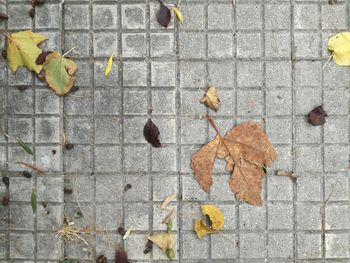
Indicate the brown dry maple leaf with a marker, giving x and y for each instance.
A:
(246, 150)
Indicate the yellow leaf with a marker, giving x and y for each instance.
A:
(340, 45)
(164, 241)
(216, 219)
(109, 64)
(59, 73)
(178, 14)
(211, 99)
(22, 50)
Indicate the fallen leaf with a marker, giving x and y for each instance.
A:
(163, 15)
(101, 259)
(127, 233)
(34, 167)
(216, 221)
(178, 14)
(121, 256)
(168, 200)
(165, 242)
(127, 187)
(24, 146)
(109, 64)
(121, 231)
(148, 247)
(41, 58)
(246, 150)
(33, 200)
(59, 73)
(6, 180)
(317, 116)
(69, 146)
(339, 44)
(151, 134)
(22, 50)
(4, 16)
(211, 99)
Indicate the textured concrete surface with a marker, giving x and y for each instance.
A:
(266, 59)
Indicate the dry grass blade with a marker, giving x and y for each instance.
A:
(34, 167)
(168, 200)
(169, 216)
(127, 233)
(289, 174)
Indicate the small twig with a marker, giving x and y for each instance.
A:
(224, 236)
(65, 54)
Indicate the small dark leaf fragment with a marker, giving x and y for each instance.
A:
(127, 187)
(3, 16)
(22, 88)
(151, 133)
(68, 191)
(163, 15)
(6, 180)
(27, 174)
(41, 75)
(37, 2)
(121, 256)
(69, 146)
(317, 116)
(121, 231)
(53, 151)
(31, 12)
(5, 200)
(148, 247)
(41, 58)
(101, 259)
(74, 89)
(43, 204)
(4, 54)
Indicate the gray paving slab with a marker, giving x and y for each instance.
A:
(266, 58)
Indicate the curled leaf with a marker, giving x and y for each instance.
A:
(41, 58)
(178, 14)
(165, 242)
(216, 218)
(211, 99)
(33, 200)
(339, 44)
(151, 134)
(109, 65)
(168, 200)
(317, 116)
(163, 15)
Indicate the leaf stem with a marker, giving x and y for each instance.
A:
(65, 54)
(5, 134)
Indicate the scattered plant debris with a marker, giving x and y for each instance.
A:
(163, 15)
(211, 99)
(6, 180)
(69, 146)
(41, 58)
(59, 72)
(165, 242)
(70, 232)
(339, 44)
(121, 231)
(19, 141)
(148, 247)
(3, 16)
(27, 174)
(127, 233)
(317, 116)
(109, 65)
(35, 168)
(151, 134)
(41, 75)
(31, 12)
(33, 200)
(168, 200)
(127, 187)
(121, 256)
(178, 14)
(246, 150)
(67, 191)
(101, 259)
(215, 217)
(290, 174)
(5, 200)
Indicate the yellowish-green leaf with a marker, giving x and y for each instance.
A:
(340, 45)
(178, 14)
(59, 73)
(109, 65)
(22, 50)
(33, 200)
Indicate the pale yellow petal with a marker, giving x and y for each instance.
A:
(178, 14)
(109, 64)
